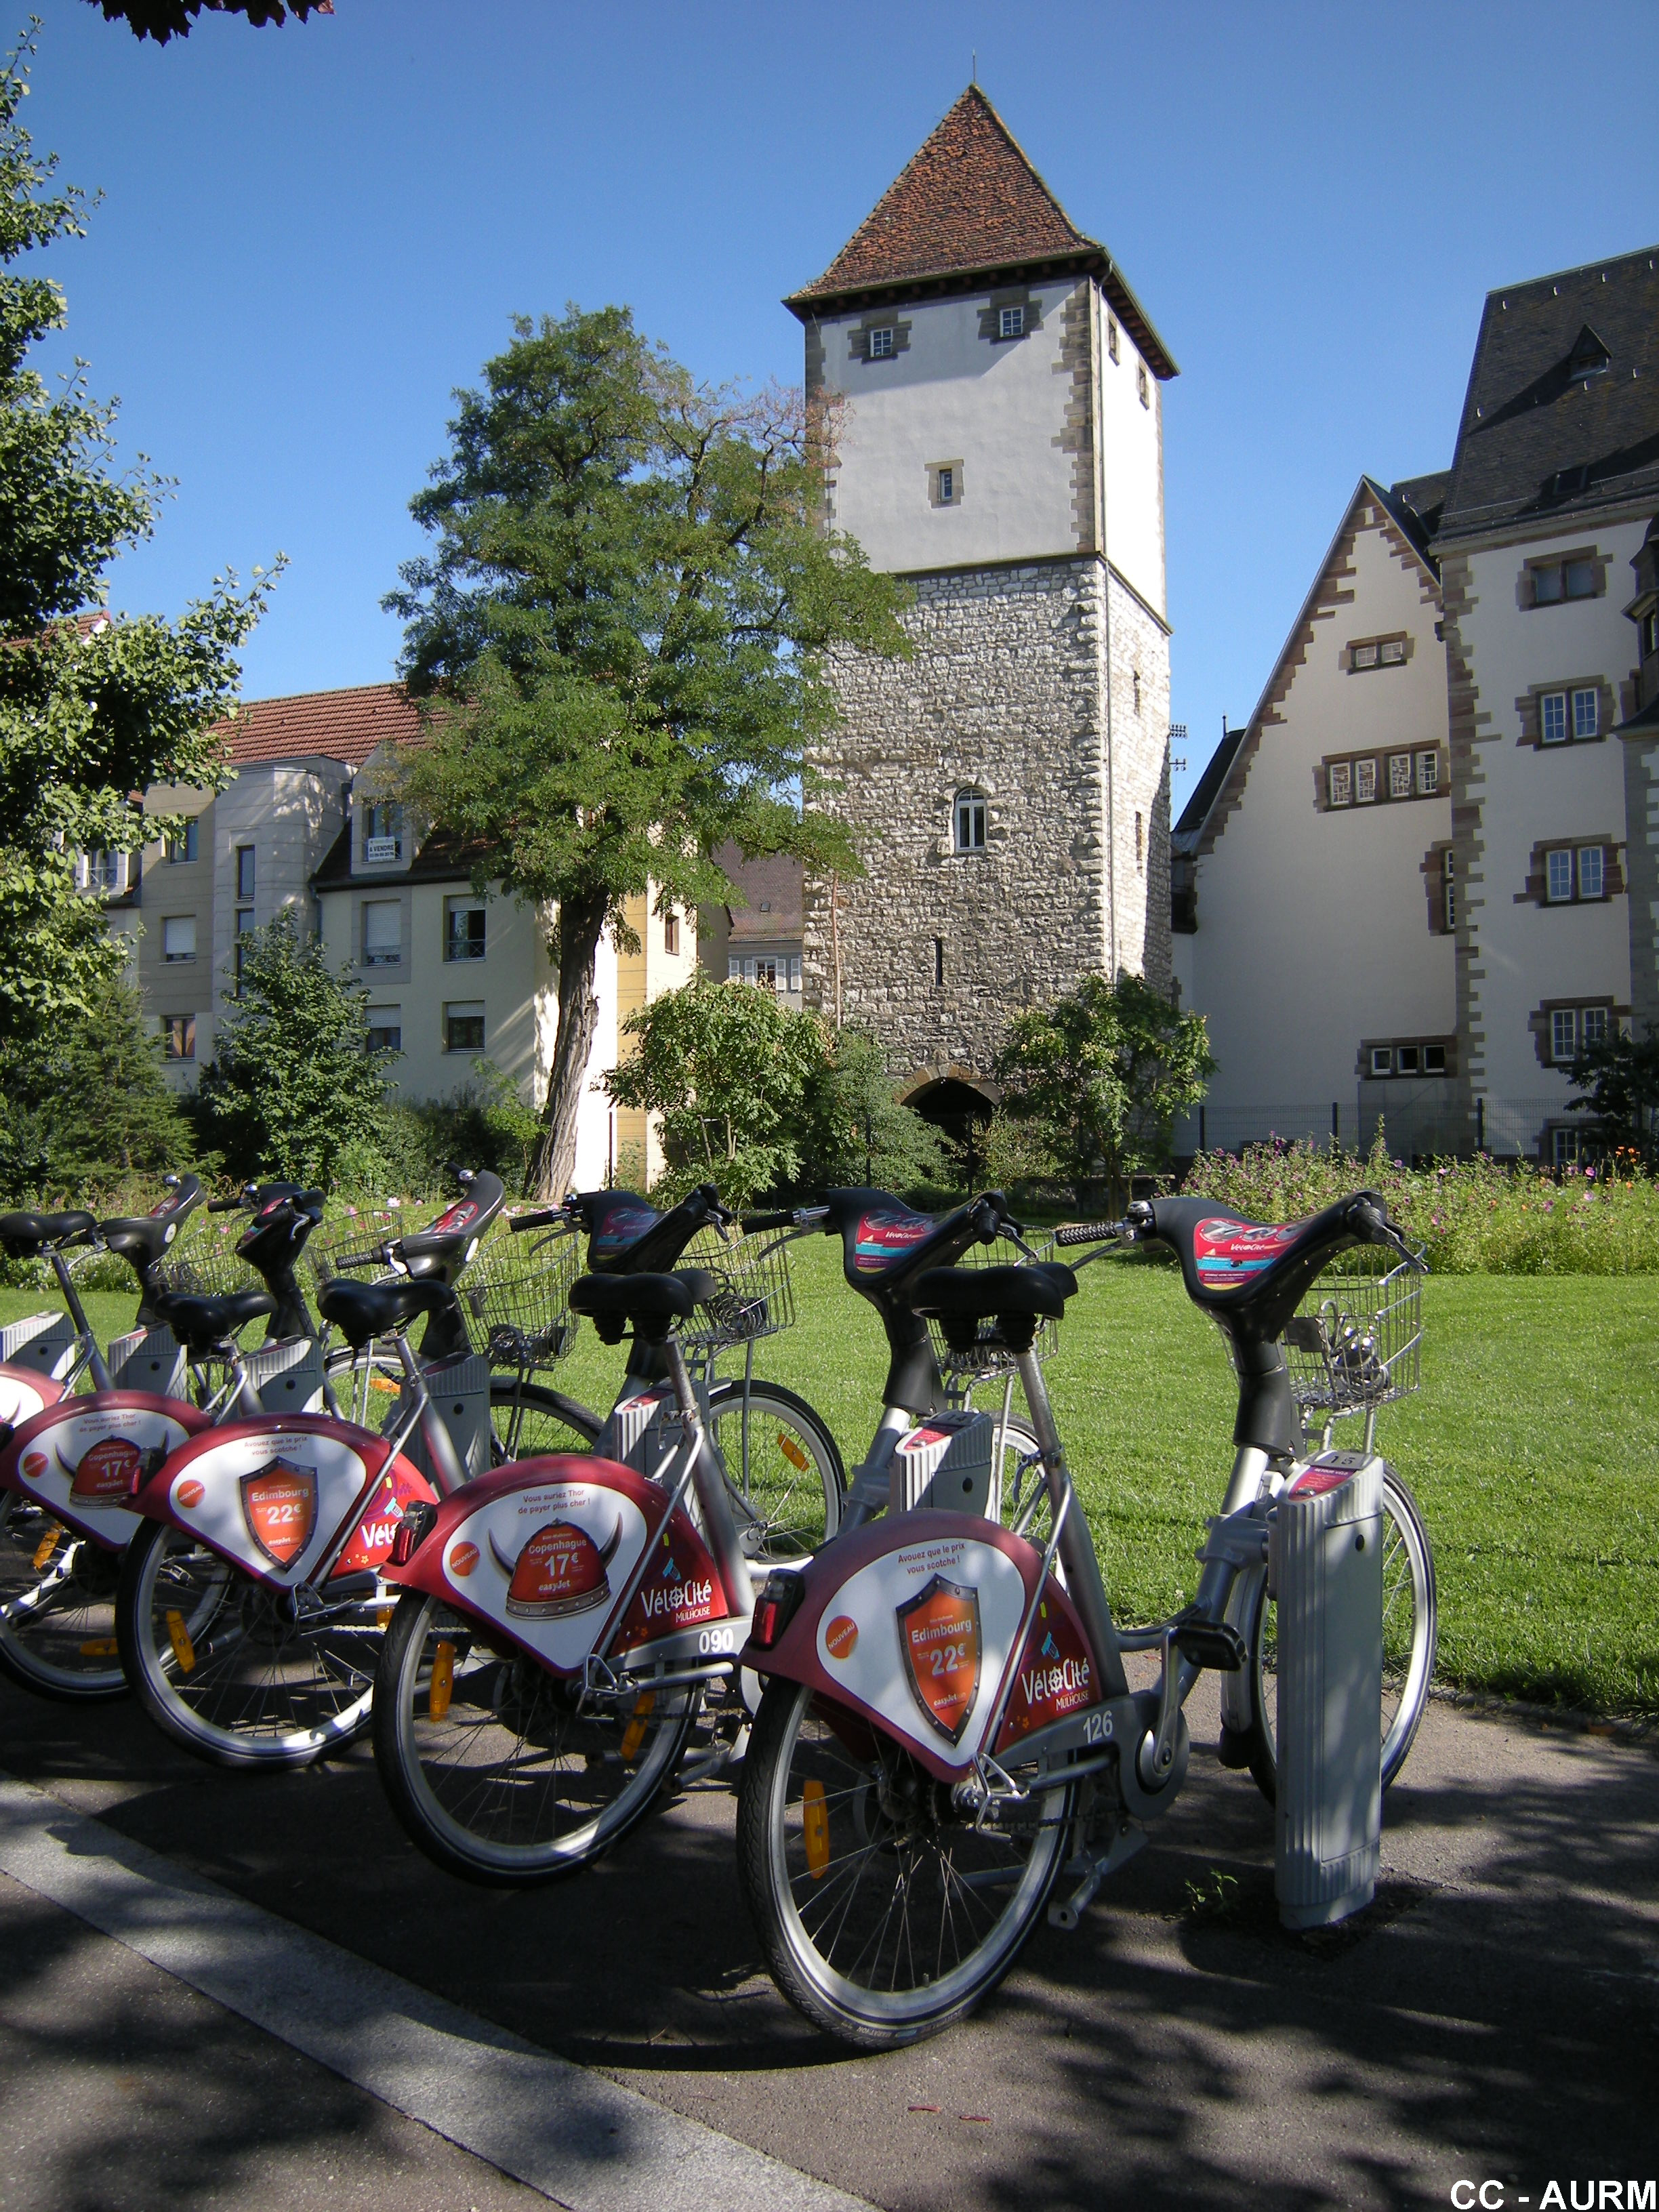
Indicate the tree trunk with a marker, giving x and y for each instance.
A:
(554, 1164)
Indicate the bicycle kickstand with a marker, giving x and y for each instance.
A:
(1129, 1838)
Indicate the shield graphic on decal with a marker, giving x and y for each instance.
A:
(560, 1570)
(108, 1473)
(939, 1633)
(279, 1504)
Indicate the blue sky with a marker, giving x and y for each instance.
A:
(310, 235)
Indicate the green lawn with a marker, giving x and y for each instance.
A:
(1532, 1449)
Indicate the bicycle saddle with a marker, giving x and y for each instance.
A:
(652, 1302)
(200, 1323)
(1016, 1298)
(25, 1234)
(363, 1311)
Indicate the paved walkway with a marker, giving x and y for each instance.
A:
(1496, 2017)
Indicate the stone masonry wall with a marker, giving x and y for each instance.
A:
(1005, 692)
(1138, 696)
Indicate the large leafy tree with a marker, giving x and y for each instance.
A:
(623, 627)
(163, 19)
(1100, 1074)
(293, 1089)
(1619, 1078)
(92, 708)
(855, 1130)
(86, 1104)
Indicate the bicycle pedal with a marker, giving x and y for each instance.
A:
(1215, 1643)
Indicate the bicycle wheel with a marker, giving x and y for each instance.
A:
(1409, 1630)
(218, 1663)
(883, 1916)
(56, 1607)
(783, 1469)
(527, 1419)
(500, 1772)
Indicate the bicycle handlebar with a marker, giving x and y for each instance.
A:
(1091, 1233)
(543, 1217)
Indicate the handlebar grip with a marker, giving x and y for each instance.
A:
(225, 1204)
(755, 1225)
(542, 1218)
(375, 1258)
(1088, 1232)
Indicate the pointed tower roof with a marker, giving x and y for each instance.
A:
(969, 205)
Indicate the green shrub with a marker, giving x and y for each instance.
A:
(1472, 1216)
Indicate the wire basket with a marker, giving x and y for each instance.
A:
(754, 1295)
(516, 1300)
(204, 1263)
(1356, 1340)
(988, 1355)
(327, 1250)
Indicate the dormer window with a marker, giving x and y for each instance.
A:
(383, 834)
(1588, 357)
(881, 344)
(970, 813)
(1011, 322)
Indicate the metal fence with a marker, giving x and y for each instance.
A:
(1419, 1120)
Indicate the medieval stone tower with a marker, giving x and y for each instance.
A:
(997, 391)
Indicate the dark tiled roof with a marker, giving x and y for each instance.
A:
(775, 879)
(1195, 813)
(968, 204)
(1640, 725)
(1416, 503)
(343, 726)
(1542, 439)
(440, 860)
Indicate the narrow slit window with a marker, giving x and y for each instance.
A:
(1399, 775)
(1428, 774)
(1365, 781)
(178, 1036)
(1111, 337)
(971, 821)
(1338, 784)
(1449, 886)
(245, 872)
(670, 933)
(939, 960)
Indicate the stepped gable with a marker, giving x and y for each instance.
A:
(343, 726)
(969, 202)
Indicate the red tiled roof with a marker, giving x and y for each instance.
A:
(343, 726)
(969, 201)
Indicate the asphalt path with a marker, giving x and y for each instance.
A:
(1495, 2017)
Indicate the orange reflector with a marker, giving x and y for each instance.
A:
(48, 1546)
(443, 1681)
(633, 1736)
(815, 1828)
(382, 1615)
(183, 1650)
(793, 1452)
(100, 1647)
(384, 1385)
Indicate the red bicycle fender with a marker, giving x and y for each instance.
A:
(109, 1435)
(885, 1601)
(24, 1392)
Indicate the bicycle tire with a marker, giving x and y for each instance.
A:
(774, 1869)
(1408, 1539)
(499, 1792)
(159, 1662)
(57, 1627)
(762, 1491)
(555, 1423)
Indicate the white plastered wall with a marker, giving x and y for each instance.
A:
(1313, 927)
(1131, 458)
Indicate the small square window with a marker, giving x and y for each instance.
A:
(187, 847)
(1428, 774)
(881, 345)
(1593, 1026)
(1391, 652)
(1552, 718)
(1407, 1058)
(464, 1028)
(178, 1036)
(1557, 874)
(1564, 1033)
(1399, 775)
(1011, 322)
(386, 1029)
(1592, 871)
(1434, 1060)
(1585, 712)
(1581, 579)
(1338, 784)
(178, 936)
(1365, 781)
(1142, 386)
(245, 872)
(463, 929)
(1563, 1147)
(1547, 586)
(1364, 656)
(670, 933)
(1381, 1060)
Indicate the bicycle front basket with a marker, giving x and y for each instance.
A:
(516, 1298)
(1356, 1340)
(754, 1295)
(988, 1355)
